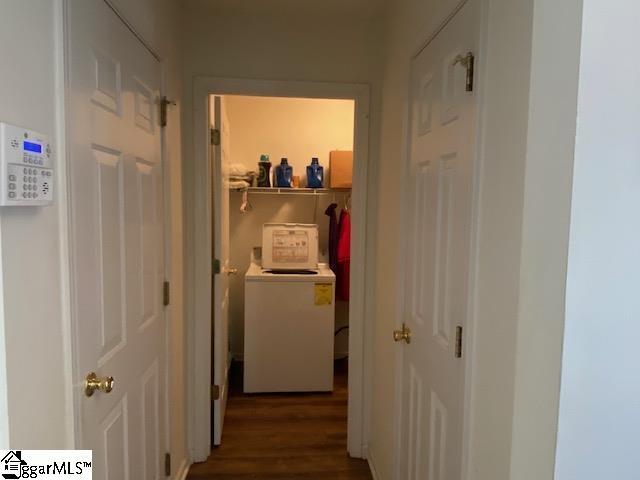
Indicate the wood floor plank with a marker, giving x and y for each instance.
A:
(284, 436)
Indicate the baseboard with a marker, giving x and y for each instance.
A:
(372, 466)
(365, 450)
(183, 471)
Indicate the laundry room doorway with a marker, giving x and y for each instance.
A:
(280, 262)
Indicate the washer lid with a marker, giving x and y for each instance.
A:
(322, 275)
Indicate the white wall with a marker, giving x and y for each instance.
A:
(297, 128)
(600, 400)
(551, 126)
(29, 240)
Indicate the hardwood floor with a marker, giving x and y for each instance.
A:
(284, 436)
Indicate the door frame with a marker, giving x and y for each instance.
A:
(199, 279)
(469, 337)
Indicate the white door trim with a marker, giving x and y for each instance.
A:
(481, 70)
(199, 277)
(470, 325)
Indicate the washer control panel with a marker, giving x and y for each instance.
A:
(26, 167)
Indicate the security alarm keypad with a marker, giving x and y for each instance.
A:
(26, 167)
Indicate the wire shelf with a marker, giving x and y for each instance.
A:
(292, 191)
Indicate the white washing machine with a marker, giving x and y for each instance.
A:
(289, 324)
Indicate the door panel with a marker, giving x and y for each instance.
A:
(110, 253)
(116, 435)
(116, 229)
(151, 418)
(438, 206)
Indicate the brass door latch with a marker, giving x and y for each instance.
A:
(93, 383)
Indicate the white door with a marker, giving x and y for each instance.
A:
(220, 309)
(116, 228)
(438, 209)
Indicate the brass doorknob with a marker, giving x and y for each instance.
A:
(93, 383)
(232, 271)
(402, 335)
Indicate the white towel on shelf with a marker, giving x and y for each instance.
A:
(238, 170)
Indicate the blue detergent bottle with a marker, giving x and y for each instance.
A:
(315, 174)
(284, 174)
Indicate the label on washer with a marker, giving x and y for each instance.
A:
(324, 294)
(290, 246)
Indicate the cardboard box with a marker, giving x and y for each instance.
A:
(340, 169)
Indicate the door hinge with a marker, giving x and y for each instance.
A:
(468, 62)
(164, 102)
(216, 266)
(459, 341)
(215, 392)
(166, 293)
(215, 136)
(167, 464)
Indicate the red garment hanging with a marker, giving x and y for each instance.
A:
(344, 256)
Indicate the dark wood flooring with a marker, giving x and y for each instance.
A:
(284, 436)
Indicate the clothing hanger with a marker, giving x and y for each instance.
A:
(246, 205)
(347, 203)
